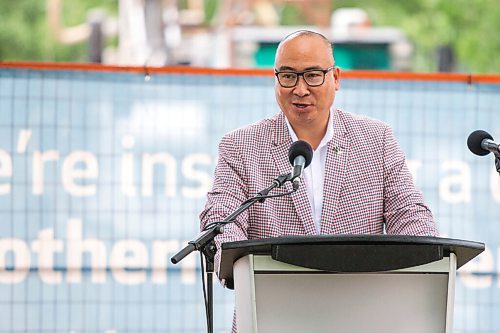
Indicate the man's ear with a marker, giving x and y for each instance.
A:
(336, 76)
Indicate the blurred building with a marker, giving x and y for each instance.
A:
(231, 33)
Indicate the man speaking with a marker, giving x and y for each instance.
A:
(357, 182)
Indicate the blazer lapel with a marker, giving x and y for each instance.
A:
(282, 142)
(335, 172)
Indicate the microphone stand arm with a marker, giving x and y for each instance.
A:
(205, 242)
(207, 236)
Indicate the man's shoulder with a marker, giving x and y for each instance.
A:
(359, 124)
(260, 130)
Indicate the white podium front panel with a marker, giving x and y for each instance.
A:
(376, 303)
(277, 297)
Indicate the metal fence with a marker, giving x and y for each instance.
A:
(103, 172)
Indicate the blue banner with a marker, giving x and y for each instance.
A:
(103, 175)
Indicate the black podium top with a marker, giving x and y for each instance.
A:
(349, 253)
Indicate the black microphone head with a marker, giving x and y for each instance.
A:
(474, 142)
(299, 148)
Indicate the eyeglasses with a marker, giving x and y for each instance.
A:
(313, 77)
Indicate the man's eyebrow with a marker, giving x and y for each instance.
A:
(288, 68)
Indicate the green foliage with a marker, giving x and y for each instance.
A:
(210, 7)
(468, 26)
(290, 15)
(24, 33)
(20, 29)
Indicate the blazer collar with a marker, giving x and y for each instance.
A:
(336, 168)
(335, 171)
(281, 134)
(279, 151)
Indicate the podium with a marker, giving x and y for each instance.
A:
(345, 283)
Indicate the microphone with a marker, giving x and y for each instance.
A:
(300, 155)
(481, 143)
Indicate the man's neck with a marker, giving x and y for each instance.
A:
(312, 132)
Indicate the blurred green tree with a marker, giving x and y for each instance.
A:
(24, 31)
(468, 27)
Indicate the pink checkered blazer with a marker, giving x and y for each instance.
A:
(368, 188)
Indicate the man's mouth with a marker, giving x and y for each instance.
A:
(301, 105)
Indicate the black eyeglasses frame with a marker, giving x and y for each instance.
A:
(324, 71)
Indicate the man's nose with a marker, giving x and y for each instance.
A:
(301, 89)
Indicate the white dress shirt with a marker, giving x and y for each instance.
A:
(314, 175)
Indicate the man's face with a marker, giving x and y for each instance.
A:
(303, 104)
